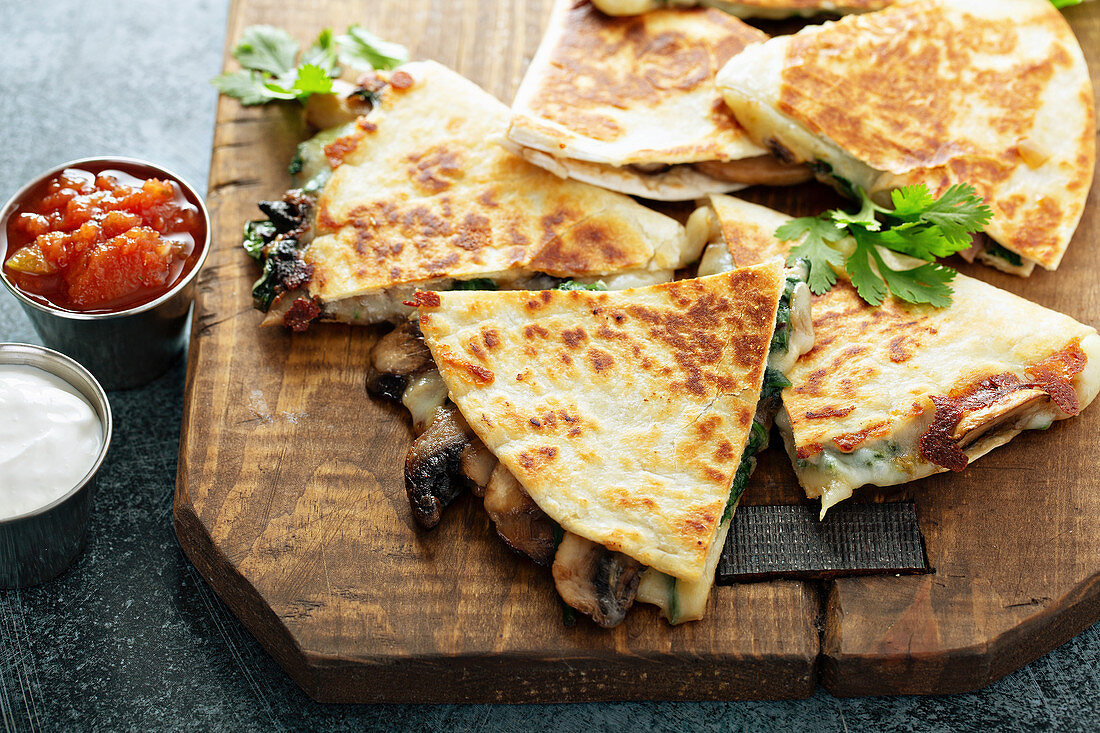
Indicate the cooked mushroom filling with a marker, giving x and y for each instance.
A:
(595, 580)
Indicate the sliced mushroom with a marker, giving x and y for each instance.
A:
(478, 464)
(1009, 407)
(763, 170)
(519, 521)
(433, 476)
(398, 356)
(595, 580)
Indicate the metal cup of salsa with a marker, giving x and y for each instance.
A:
(102, 254)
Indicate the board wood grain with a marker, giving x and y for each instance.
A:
(290, 497)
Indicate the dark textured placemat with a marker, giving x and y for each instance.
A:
(853, 539)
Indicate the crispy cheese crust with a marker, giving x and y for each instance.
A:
(421, 191)
(623, 91)
(623, 414)
(995, 93)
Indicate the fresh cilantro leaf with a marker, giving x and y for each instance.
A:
(918, 240)
(312, 79)
(858, 264)
(273, 71)
(865, 217)
(323, 53)
(571, 285)
(910, 201)
(246, 86)
(872, 277)
(958, 212)
(363, 49)
(814, 249)
(266, 48)
(927, 283)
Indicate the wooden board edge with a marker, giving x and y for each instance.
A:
(478, 678)
(963, 669)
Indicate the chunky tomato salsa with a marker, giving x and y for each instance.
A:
(102, 240)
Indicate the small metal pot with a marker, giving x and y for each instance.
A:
(125, 349)
(39, 545)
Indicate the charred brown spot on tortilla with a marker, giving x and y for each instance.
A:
(339, 148)
(848, 442)
(600, 360)
(474, 233)
(491, 338)
(470, 372)
(830, 411)
(595, 580)
(725, 451)
(401, 80)
(436, 169)
(573, 337)
(806, 451)
(537, 459)
(534, 330)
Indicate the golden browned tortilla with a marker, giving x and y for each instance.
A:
(422, 195)
(894, 393)
(630, 104)
(623, 414)
(994, 93)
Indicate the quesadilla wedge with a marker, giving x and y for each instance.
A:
(630, 104)
(994, 93)
(623, 416)
(898, 392)
(416, 194)
(771, 9)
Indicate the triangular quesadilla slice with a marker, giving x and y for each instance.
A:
(895, 393)
(623, 415)
(630, 104)
(417, 193)
(991, 93)
(772, 9)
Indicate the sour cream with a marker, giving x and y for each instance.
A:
(50, 437)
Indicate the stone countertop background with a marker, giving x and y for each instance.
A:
(131, 637)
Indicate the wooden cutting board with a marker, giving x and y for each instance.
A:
(290, 498)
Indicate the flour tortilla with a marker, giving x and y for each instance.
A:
(861, 399)
(624, 414)
(422, 196)
(994, 93)
(630, 104)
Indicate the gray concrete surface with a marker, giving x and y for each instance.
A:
(131, 638)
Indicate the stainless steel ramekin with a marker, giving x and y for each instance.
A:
(39, 545)
(131, 347)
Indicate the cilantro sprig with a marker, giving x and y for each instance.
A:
(919, 225)
(272, 69)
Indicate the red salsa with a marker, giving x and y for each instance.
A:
(102, 240)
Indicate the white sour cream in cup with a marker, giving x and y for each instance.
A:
(50, 438)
